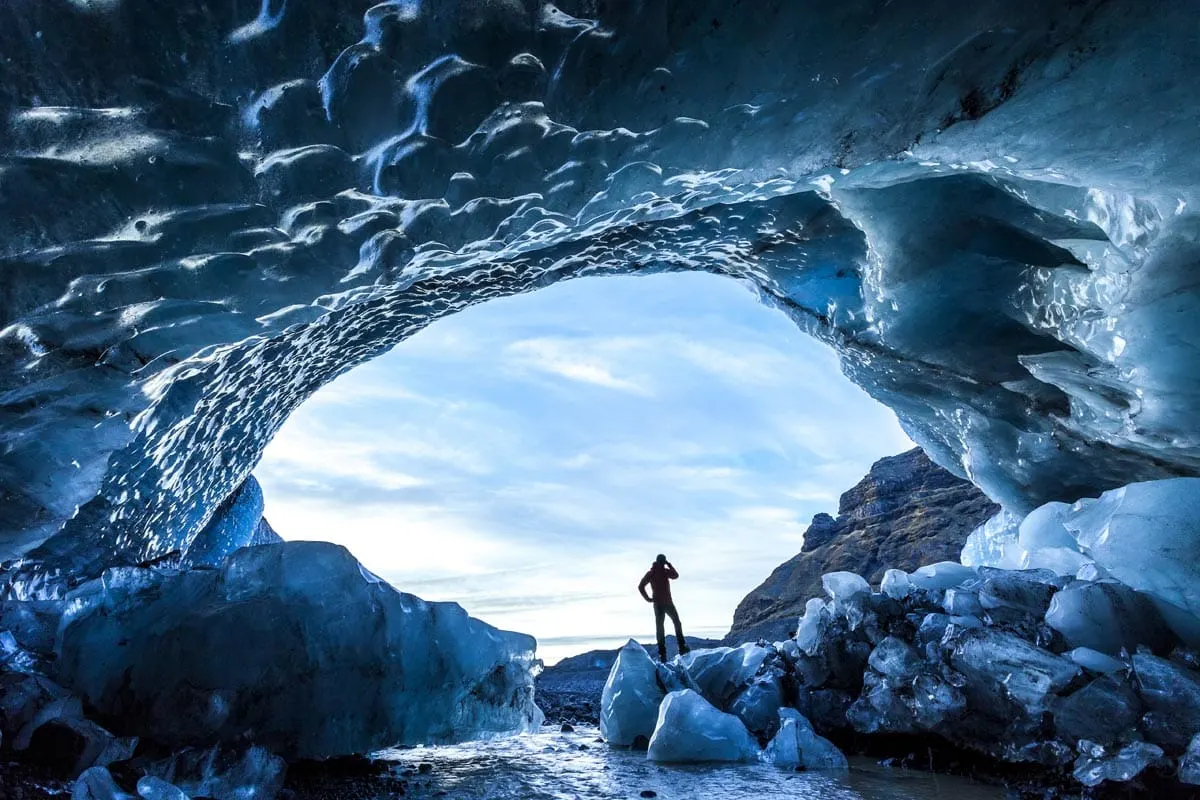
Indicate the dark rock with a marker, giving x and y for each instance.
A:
(907, 512)
(1171, 695)
(1101, 711)
(68, 746)
(1026, 592)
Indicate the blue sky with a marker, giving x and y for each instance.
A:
(528, 457)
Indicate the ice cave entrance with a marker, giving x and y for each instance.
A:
(527, 457)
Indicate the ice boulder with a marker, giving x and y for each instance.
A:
(1103, 711)
(757, 705)
(940, 576)
(813, 625)
(1020, 592)
(896, 659)
(1097, 764)
(1095, 661)
(844, 586)
(222, 773)
(631, 696)
(1107, 617)
(798, 745)
(999, 666)
(690, 730)
(847, 591)
(1044, 528)
(1147, 535)
(895, 584)
(295, 647)
(721, 673)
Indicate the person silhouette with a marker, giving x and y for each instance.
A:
(659, 578)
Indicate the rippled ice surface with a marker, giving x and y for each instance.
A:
(575, 766)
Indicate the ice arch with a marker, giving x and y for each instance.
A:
(207, 211)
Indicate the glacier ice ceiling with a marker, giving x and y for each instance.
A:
(209, 210)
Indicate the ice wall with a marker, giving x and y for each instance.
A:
(207, 211)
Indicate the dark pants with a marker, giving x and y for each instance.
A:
(667, 610)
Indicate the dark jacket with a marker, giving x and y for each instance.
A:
(659, 578)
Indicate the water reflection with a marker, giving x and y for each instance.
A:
(576, 766)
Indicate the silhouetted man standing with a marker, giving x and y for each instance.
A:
(659, 578)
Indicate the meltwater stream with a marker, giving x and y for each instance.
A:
(576, 766)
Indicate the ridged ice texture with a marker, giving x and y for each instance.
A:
(208, 211)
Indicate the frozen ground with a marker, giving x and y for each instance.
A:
(576, 766)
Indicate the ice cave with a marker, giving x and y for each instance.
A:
(209, 210)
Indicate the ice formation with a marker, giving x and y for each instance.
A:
(798, 745)
(208, 211)
(295, 647)
(198, 236)
(689, 729)
(631, 696)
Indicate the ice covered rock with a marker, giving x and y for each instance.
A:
(936, 701)
(631, 696)
(1171, 695)
(722, 673)
(798, 745)
(68, 745)
(1002, 666)
(222, 773)
(97, 783)
(1094, 660)
(895, 659)
(940, 576)
(1189, 762)
(962, 602)
(882, 707)
(296, 647)
(1107, 617)
(689, 730)
(1097, 765)
(1026, 592)
(1103, 711)
(757, 705)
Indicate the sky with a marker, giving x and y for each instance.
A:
(528, 457)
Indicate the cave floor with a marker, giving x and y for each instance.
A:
(552, 765)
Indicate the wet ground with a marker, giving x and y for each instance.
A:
(575, 766)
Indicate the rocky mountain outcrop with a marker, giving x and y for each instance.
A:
(906, 512)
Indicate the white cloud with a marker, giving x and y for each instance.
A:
(573, 360)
